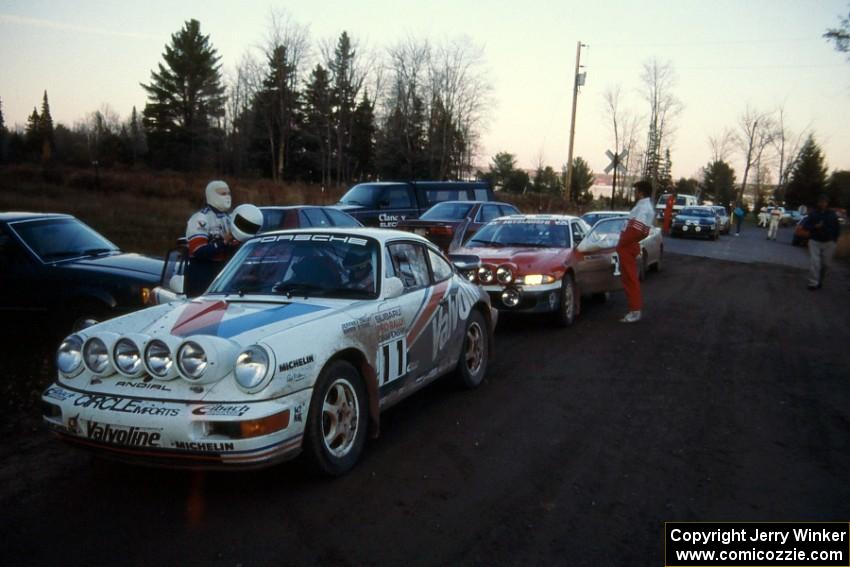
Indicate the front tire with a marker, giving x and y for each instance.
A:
(337, 421)
(566, 315)
(475, 353)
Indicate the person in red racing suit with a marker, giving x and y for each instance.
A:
(628, 248)
(668, 213)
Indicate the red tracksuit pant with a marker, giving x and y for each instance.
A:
(628, 249)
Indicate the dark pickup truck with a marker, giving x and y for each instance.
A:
(384, 204)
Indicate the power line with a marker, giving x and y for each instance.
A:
(602, 44)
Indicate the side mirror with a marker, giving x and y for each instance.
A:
(465, 262)
(393, 288)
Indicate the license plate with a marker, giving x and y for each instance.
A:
(420, 231)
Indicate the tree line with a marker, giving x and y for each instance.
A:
(331, 113)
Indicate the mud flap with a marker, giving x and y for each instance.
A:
(371, 379)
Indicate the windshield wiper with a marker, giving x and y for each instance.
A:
(531, 244)
(64, 254)
(487, 243)
(97, 251)
(290, 289)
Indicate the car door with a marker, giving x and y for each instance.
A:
(597, 262)
(396, 204)
(22, 279)
(400, 322)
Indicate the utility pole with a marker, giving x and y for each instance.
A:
(578, 81)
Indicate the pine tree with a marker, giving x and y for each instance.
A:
(581, 181)
(808, 178)
(363, 139)
(3, 135)
(344, 94)
(32, 136)
(665, 174)
(45, 130)
(135, 137)
(278, 107)
(318, 110)
(185, 99)
(719, 183)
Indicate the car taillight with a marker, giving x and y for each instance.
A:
(441, 231)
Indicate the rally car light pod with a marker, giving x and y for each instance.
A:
(69, 356)
(485, 275)
(504, 274)
(205, 359)
(127, 355)
(159, 360)
(252, 428)
(96, 354)
(511, 297)
(192, 361)
(254, 368)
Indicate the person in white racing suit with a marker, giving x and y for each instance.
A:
(641, 219)
(775, 217)
(209, 239)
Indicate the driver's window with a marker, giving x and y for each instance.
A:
(410, 265)
(578, 233)
(396, 198)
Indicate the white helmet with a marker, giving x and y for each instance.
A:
(218, 195)
(245, 222)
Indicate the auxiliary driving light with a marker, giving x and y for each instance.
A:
(511, 297)
(485, 275)
(504, 275)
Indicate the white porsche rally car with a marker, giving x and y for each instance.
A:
(297, 346)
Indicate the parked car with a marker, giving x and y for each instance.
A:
(58, 272)
(696, 221)
(724, 222)
(297, 346)
(171, 283)
(385, 204)
(651, 247)
(682, 201)
(447, 224)
(540, 264)
(790, 218)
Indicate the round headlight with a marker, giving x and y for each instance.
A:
(127, 357)
(96, 356)
(252, 367)
(191, 360)
(485, 275)
(158, 358)
(69, 357)
(504, 275)
(511, 297)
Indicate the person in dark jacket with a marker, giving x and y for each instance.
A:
(822, 226)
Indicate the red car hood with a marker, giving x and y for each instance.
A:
(528, 260)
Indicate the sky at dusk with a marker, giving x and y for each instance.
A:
(726, 54)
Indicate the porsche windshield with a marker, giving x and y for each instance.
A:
(544, 234)
(303, 265)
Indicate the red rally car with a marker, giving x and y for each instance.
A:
(543, 263)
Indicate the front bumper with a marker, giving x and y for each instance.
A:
(693, 230)
(197, 435)
(533, 299)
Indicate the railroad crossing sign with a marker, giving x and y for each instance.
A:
(617, 161)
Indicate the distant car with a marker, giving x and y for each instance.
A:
(57, 271)
(696, 221)
(387, 203)
(723, 219)
(593, 217)
(682, 201)
(456, 220)
(171, 284)
(790, 218)
(296, 347)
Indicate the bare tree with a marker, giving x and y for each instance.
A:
(658, 80)
(243, 84)
(286, 48)
(756, 130)
(623, 124)
(722, 145)
(787, 147)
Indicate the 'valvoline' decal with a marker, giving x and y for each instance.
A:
(227, 320)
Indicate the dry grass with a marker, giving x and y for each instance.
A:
(140, 211)
(145, 211)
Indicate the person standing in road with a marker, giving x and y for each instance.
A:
(209, 239)
(739, 217)
(628, 248)
(763, 217)
(668, 213)
(773, 227)
(822, 226)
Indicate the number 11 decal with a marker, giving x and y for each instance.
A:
(392, 360)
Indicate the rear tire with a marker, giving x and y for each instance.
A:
(475, 353)
(337, 421)
(568, 307)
